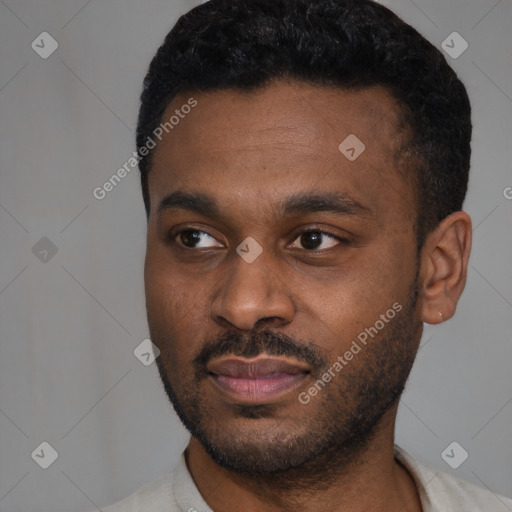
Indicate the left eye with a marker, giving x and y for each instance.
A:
(315, 240)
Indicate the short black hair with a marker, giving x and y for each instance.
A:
(350, 44)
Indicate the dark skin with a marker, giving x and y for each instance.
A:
(249, 153)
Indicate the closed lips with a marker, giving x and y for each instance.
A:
(255, 381)
(254, 368)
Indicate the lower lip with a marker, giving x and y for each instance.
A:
(258, 389)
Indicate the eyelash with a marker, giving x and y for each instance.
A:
(342, 241)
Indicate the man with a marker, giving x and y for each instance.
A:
(304, 165)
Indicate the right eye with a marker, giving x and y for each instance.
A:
(195, 239)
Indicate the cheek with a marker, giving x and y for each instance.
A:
(175, 316)
(162, 285)
(355, 299)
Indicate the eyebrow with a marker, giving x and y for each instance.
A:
(328, 202)
(295, 204)
(195, 202)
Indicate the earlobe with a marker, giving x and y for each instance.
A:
(444, 265)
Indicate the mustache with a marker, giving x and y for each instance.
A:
(256, 343)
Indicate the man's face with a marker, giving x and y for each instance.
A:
(270, 167)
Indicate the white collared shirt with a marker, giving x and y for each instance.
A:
(438, 491)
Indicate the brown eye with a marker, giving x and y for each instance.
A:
(314, 240)
(195, 238)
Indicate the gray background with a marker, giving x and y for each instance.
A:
(69, 326)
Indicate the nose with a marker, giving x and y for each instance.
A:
(252, 294)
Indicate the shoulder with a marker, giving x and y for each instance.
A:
(443, 492)
(155, 496)
(171, 492)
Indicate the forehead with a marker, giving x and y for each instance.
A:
(282, 138)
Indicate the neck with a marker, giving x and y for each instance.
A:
(372, 480)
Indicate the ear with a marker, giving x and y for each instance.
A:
(444, 266)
